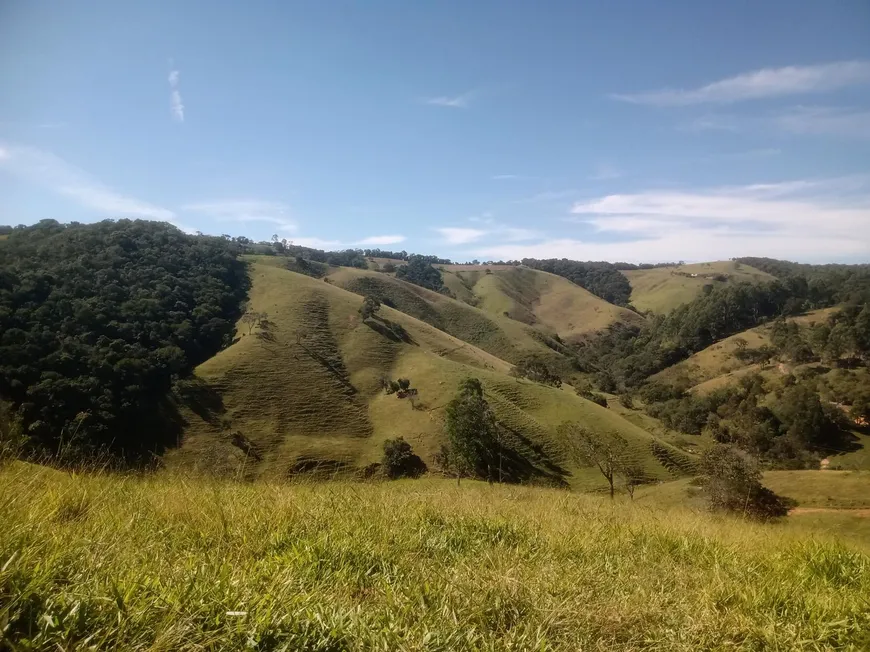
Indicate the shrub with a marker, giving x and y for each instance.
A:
(733, 484)
(399, 460)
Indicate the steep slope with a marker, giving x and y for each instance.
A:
(501, 336)
(717, 365)
(535, 297)
(662, 289)
(306, 392)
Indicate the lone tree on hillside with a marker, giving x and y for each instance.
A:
(733, 484)
(252, 319)
(369, 307)
(399, 460)
(472, 432)
(607, 450)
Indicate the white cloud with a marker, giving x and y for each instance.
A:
(378, 240)
(245, 210)
(767, 82)
(317, 243)
(52, 172)
(456, 235)
(835, 121)
(176, 105)
(504, 177)
(804, 220)
(452, 102)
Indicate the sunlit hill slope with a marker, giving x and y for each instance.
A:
(306, 393)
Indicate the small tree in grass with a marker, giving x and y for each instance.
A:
(252, 319)
(607, 451)
(399, 460)
(733, 484)
(633, 476)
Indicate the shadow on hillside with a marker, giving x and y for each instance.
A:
(202, 399)
(847, 442)
(390, 330)
(523, 461)
(337, 370)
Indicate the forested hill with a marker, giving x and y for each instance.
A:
(97, 320)
(600, 278)
(625, 357)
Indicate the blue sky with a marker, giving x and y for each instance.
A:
(489, 129)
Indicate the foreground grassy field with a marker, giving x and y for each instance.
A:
(167, 563)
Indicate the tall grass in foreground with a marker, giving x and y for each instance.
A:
(166, 563)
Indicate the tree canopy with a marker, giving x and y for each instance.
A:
(98, 319)
(419, 271)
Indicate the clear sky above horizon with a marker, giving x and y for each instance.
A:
(490, 129)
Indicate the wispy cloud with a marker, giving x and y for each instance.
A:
(245, 210)
(822, 120)
(494, 230)
(378, 240)
(514, 234)
(604, 172)
(457, 235)
(758, 84)
(452, 101)
(547, 196)
(52, 172)
(317, 243)
(807, 219)
(321, 243)
(176, 105)
(712, 123)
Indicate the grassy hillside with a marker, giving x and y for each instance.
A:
(499, 335)
(716, 366)
(662, 289)
(535, 297)
(308, 393)
(168, 563)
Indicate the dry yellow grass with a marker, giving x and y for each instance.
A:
(662, 289)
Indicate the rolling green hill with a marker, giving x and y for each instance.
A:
(307, 391)
(535, 297)
(662, 289)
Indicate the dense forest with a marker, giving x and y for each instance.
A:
(98, 320)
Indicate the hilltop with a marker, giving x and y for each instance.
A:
(535, 297)
(661, 289)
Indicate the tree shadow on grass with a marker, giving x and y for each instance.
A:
(390, 330)
(523, 461)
